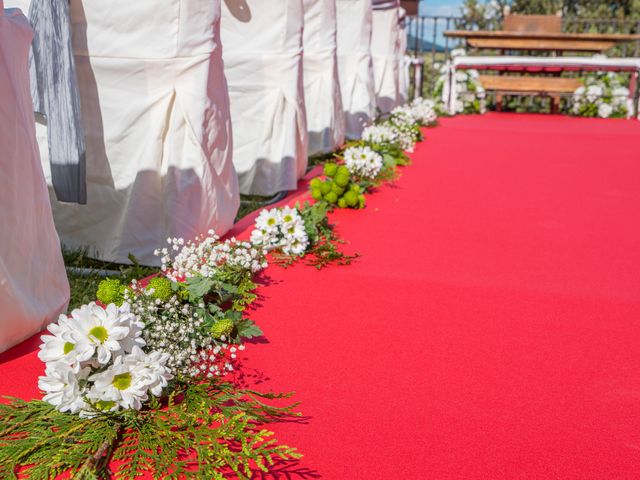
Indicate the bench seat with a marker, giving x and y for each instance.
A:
(518, 85)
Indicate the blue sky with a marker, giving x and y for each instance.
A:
(440, 7)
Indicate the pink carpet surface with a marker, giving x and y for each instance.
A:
(491, 327)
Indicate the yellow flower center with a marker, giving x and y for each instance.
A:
(122, 381)
(104, 405)
(68, 347)
(271, 221)
(100, 333)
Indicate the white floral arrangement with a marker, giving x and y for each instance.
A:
(280, 229)
(403, 114)
(384, 134)
(166, 343)
(471, 95)
(424, 111)
(206, 254)
(399, 130)
(95, 362)
(363, 162)
(177, 329)
(602, 95)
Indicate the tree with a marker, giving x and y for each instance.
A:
(537, 7)
(483, 13)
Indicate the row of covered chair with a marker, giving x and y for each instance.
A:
(186, 106)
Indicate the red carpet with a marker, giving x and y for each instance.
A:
(491, 328)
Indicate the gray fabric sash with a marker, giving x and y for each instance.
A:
(385, 4)
(54, 89)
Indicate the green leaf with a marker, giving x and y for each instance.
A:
(248, 329)
(198, 286)
(212, 427)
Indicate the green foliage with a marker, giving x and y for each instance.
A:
(211, 289)
(608, 100)
(246, 328)
(484, 14)
(480, 15)
(206, 430)
(334, 191)
(111, 290)
(323, 241)
(85, 277)
(393, 156)
(162, 288)
(231, 285)
(222, 328)
(230, 323)
(537, 7)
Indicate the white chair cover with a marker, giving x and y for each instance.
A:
(33, 283)
(355, 69)
(325, 116)
(156, 117)
(385, 51)
(263, 63)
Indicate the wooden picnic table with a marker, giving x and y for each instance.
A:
(540, 40)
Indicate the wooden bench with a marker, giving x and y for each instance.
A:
(553, 87)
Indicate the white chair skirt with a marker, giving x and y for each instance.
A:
(33, 282)
(263, 64)
(355, 69)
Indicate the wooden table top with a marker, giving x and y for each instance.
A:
(542, 41)
(616, 37)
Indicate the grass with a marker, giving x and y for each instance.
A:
(85, 273)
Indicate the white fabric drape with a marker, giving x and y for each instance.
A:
(325, 116)
(33, 282)
(263, 63)
(355, 68)
(385, 51)
(156, 116)
(403, 59)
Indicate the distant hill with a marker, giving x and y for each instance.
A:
(425, 47)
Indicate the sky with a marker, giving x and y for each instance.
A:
(440, 7)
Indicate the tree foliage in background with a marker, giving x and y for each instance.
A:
(620, 9)
(483, 14)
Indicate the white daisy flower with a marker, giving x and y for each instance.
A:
(363, 162)
(288, 215)
(62, 388)
(123, 384)
(268, 220)
(104, 331)
(151, 366)
(287, 230)
(60, 345)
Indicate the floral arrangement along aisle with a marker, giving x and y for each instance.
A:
(603, 95)
(139, 382)
(471, 96)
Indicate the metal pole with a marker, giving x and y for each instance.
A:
(433, 53)
(635, 94)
